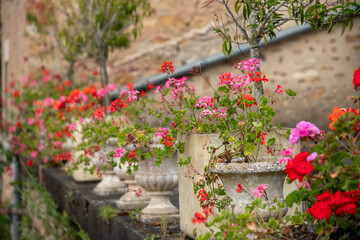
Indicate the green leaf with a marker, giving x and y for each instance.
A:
(265, 39)
(271, 141)
(249, 149)
(292, 198)
(290, 92)
(338, 158)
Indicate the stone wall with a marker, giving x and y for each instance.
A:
(13, 42)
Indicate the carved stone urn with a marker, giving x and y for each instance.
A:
(110, 183)
(251, 175)
(159, 182)
(135, 196)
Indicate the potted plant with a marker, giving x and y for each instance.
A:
(243, 131)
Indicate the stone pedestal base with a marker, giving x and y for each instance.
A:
(159, 207)
(135, 197)
(110, 185)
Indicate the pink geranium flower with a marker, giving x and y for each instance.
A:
(31, 121)
(259, 192)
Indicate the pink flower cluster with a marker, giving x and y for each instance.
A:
(178, 87)
(286, 155)
(250, 65)
(303, 129)
(234, 81)
(279, 90)
(119, 152)
(132, 95)
(205, 102)
(214, 113)
(260, 191)
(162, 132)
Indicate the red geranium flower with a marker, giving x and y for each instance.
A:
(130, 86)
(239, 188)
(150, 86)
(320, 210)
(30, 163)
(67, 83)
(167, 67)
(250, 101)
(16, 94)
(356, 79)
(298, 167)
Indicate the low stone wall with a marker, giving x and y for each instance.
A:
(82, 206)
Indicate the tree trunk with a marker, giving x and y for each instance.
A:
(70, 72)
(104, 73)
(254, 53)
(259, 90)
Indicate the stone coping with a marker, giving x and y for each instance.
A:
(244, 168)
(82, 206)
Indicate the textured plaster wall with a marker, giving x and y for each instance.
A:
(317, 65)
(12, 31)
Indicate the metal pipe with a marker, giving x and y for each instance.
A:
(213, 59)
(15, 217)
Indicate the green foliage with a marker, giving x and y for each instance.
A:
(257, 19)
(40, 205)
(106, 212)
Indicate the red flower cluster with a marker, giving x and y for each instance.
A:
(132, 155)
(356, 79)
(167, 67)
(250, 101)
(90, 90)
(167, 140)
(298, 167)
(99, 113)
(262, 135)
(202, 195)
(130, 86)
(150, 86)
(226, 78)
(90, 151)
(257, 77)
(16, 94)
(66, 156)
(30, 163)
(342, 202)
(200, 218)
(239, 188)
(117, 105)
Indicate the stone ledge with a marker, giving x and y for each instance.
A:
(83, 206)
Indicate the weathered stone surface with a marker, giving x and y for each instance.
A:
(83, 208)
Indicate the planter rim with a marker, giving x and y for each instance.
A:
(244, 168)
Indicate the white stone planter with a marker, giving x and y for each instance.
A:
(110, 183)
(159, 183)
(81, 174)
(135, 196)
(188, 203)
(251, 175)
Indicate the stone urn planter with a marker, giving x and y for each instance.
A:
(110, 183)
(195, 147)
(159, 182)
(251, 175)
(135, 196)
(81, 174)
